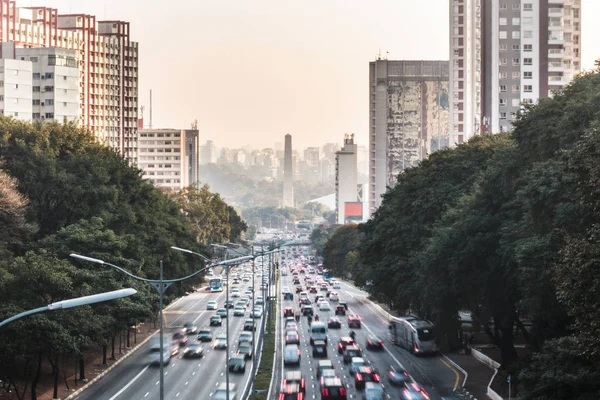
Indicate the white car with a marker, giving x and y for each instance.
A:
(211, 305)
(337, 285)
(235, 292)
(239, 312)
(334, 296)
(324, 306)
(291, 354)
(257, 312)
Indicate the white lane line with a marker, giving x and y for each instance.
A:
(129, 384)
(147, 394)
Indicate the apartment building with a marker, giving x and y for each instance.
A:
(15, 89)
(169, 157)
(347, 206)
(107, 61)
(505, 53)
(408, 118)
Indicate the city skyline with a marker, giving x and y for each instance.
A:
(326, 46)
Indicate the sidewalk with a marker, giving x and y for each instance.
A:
(479, 374)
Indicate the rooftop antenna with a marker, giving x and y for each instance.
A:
(387, 53)
(150, 123)
(379, 55)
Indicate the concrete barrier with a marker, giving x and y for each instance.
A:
(492, 364)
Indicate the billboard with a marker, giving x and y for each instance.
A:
(353, 211)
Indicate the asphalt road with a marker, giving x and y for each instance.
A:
(434, 373)
(134, 379)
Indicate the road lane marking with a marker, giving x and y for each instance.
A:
(129, 384)
(453, 370)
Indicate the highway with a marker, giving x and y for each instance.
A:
(434, 373)
(134, 379)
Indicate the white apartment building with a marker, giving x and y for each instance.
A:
(15, 89)
(347, 204)
(169, 157)
(531, 48)
(108, 66)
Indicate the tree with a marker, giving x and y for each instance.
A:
(344, 240)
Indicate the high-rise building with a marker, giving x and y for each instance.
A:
(347, 205)
(169, 157)
(15, 91)
(408, 118)
(208, 153)
(505, 53)
(107, 68)
(288, 174)
(312, 155)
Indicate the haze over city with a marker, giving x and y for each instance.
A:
(252, 71)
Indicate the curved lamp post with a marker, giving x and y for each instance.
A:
(76, 302)
(160, 285)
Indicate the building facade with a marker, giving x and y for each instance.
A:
(346, 182)
(288, 174)
(107, 61)
(408, 118)
(169, 157)
(15, 89)
(506, 53)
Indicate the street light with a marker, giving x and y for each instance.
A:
(160, 285)
(227, 264)
(76, 302)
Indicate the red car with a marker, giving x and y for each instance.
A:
(364, 375)
(354, 321)
(294, 377)
(291, 391)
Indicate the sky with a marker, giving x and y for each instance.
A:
(251, 71)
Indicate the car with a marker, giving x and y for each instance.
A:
(354, 321)
(292, 337)
(220, 342)
(334, 296)
(318, 298)
(336, 285)
(373, 391)
(245, 337)
(356, 363)
(221, 392)
(193, 350)
(235, 292)
(205, 335)
(333, 389)
(291, 391)
(288, 296)
(313, 289)
(229, 304)
(257, 312)
(259, 301)
(180, 338)
(307, 310)
(239, 312)
(319, 349)
(398, 376)
(327, 373)
(324, 306)
(291, 354)
(334, 323)
(237, 363)
(216, 320)
(323, 365)
(222, 312)
(344, 304)
(298, 289)
(190, 328)
(212, 305)
(343, 342)
(245, 349)
(249, 325)
(350, 352)
(291, 325)
(295, 377)
(240, 304)
(413, 391)
(374, 343)
(288, 312)
(340, 310)
(364, 375)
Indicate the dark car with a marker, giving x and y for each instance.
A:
(319, 349)
(345, 341)
(354, 321)
(374, 343)
(351, 351)
(298, 289)
(245, 349)
(193, 350)
(291, 391)
(237, 364)
(190, 328)
(215, 320)
(180, 338)
(205, 335)
(249, 325)
(229, 304)
(288, 296)
(413, 391)
(308, 310)
(398, 376)
(292, 337)
(364, 375)
(334, 323)
(313, 289)
(344, 304)
(333, 389)
(340, 310)
(295, 377)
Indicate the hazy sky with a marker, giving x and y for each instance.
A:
(251, 71)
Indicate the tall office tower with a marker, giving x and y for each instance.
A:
(107, 61)
(408, 118)
(169, 157)
(347, 206)
(288, 174)
(208, 153)
(312, 155)
(531, 49)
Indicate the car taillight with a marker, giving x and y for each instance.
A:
(371, 343)
(416, 346)
(359, 377)
(343, 391)
(324, 392)
(376, 377)
(281, 396)
(407, 394)
(302, 383)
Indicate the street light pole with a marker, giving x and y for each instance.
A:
(161, 290)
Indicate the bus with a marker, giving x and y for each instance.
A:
(216, 284)
(414, 334)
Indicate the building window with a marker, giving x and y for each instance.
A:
(503, 61)
(1, 97)
(516, 75)
(16, 86)
(528, 61)
(49, 102)
(503, 75)
(515, 102)
(502, 115)
(502, 21)
(36, 75)
(502, 102)
(515, 88)
(528, 7)
(527, 88)
(516, 7)
(502, 34)
(65, 104)
(36, 115)
(49, 115)
(576, 13)
(502, 88)
(33, 59)
(35, 102)
(516, 21)
(36, 88)
(528, 47)
(503, 7)
(527, 34)
(528, 75)
(515, 61)
(516, 47)
(516, 34)
(64, 78)
(502, 47)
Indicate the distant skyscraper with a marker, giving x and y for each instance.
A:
(347, 206)
(408, 118)
(208, 153)
(288, 174)
(505, 53)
